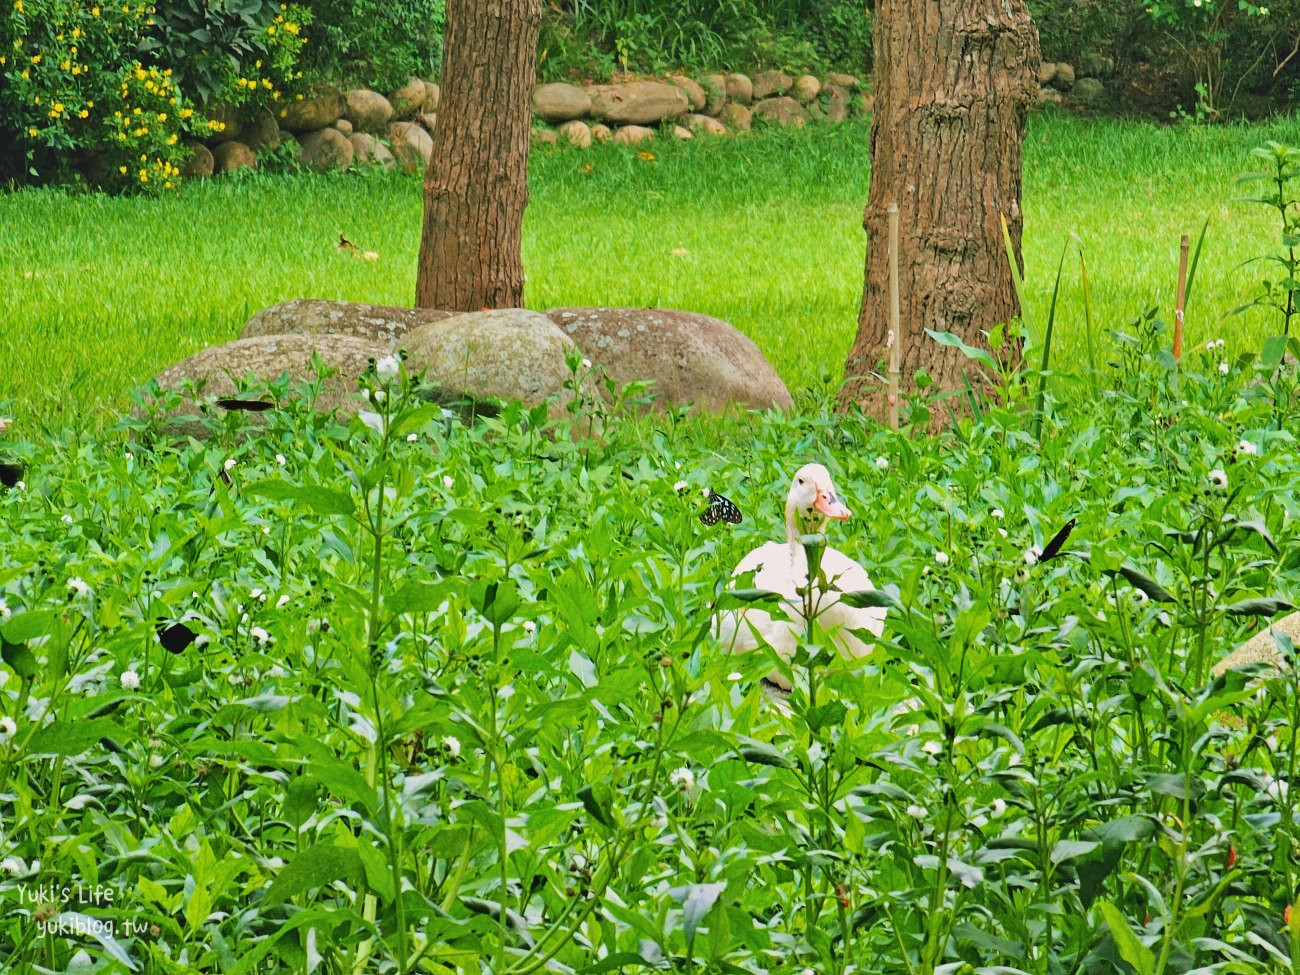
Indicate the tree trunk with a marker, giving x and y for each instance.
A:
(476, 187)
(955, 80)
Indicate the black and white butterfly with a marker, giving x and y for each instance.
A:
(720, 509)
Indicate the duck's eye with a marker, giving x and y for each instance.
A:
(798, 480)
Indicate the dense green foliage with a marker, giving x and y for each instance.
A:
(102, 94)
(439, 670)
(375, 43)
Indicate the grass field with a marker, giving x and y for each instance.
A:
(764, 232)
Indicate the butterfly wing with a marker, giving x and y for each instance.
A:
(721, 509)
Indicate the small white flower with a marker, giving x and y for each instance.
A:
(932, 748)
(282, 602)
(530, 626)
(412, 437)
(659, 821)
(20, 486)
(735, 675)
(388, 368)
(4, 423)
(452, 744)
(917, 811)
(1224, 368)
(1032, 555)
(266, 529)
(230, 463)
(1142, 597)
(257, 594)
(8, 728)
(276, 671)
(1246, 447)
(1218, 479)
(586, 363)
(380, 396)
(130, 680)
(236, 680)
(680, 486)
(67, 519)
(682, 779)
(280, 459)
(1002, 532)
(1275, 788)
(941, 557)
(999, 807)
(365, 394)
(448, 481)
(260, 635)
(5, 611)
(13, 866)
(78, 585)
(998, 513)
(882, 463)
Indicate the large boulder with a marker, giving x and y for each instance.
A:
(558, 102)
(412, 146)
(384, 324)
(407, 100)
(705, 124)
(694, 90)
(806, 88)
(325, 150)
(1063, 80)
(261, 132)
(576, 132)
(637, 102)
(229, 156)
(633, 135)
(715, 90)
(367, 110)
(367, 150)
(324, 106)
(200, 163)
(691, 359)
(739, 88)
(432, 96)
(736, 116)
(843, 80)
(834, 102)
(507, 353)
(1088, 89)
(769, 83)
(217, 373)
(1262, 648)
(783, 111)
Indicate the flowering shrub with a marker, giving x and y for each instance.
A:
(91, 88)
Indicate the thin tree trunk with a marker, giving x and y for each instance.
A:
(955, 80)
(476, 187)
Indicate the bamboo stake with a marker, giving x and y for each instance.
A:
(893, 316)
(1182, 299)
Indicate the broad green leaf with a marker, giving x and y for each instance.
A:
(314, 867)
(869, 599)
(1126, 941)
(598, 799)
(416, 597)
(1069, 849)
(969, 351)
(319, 500)
(72, 737)
(1259, 607)
(19, 658)
(761, 753)
(828, 715)
(696, 901)
(1146, 584)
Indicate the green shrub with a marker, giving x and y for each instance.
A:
(375, 43)
(104, 92)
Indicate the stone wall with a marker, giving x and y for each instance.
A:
(334, 129)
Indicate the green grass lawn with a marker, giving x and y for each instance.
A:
(764, 232)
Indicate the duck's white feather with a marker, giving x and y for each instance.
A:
(782, 568)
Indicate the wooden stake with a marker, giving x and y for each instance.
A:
(893, 316)
(1182, 299)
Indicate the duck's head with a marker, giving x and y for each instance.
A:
(812, 501)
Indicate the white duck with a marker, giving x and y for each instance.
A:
(782, 567)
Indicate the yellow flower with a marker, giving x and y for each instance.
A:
(144, 176)
(186, 112)
(94, 11)
(271, 30)
(292, 29)
(136, 110)
(168, 184)
(266, 83)
(90, 103)
(36, 58)
(76, 32)
(84, 113)
(33, 133)
(139, 73)
(65, 64)
(171, 139)
(122, 170)
(162, 116)
(2, 59)
(18, 5)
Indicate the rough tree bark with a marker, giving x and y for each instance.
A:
(476, 187)
(955, 80)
